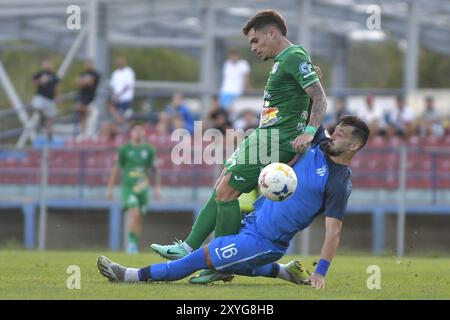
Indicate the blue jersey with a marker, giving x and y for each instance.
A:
(323, 187)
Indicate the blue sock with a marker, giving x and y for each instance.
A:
(174, 270)
(144, 273)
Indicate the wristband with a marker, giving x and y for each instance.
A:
(310, 129)
(322, 267)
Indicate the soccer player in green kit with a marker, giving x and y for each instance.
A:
(294, 106)
(135, 159)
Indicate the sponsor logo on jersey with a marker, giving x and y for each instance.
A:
(268, 116)
(275, 67)
(301, 126)
(306, 69)
(321, 171)
(144, 154)
(304, 115)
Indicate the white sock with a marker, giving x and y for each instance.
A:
(131, 275)
(187, 247)
(283, 274)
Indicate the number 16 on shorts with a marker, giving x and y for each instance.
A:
(227, 252)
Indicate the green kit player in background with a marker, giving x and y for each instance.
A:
(135, 159)
(294, 106)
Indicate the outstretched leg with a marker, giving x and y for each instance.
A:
(169, 271)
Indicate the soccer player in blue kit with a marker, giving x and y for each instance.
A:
(324, 186)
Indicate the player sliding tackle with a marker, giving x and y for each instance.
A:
(323, 187)
(294, 105)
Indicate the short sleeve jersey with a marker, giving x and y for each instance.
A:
(135, 162)
(286, 104)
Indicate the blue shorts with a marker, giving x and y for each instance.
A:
(226, 100)
(123, 106)
(243, 252)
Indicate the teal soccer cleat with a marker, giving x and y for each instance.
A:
(173, 251)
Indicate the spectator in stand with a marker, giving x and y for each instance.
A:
(247, 120)
(430, 123)
(401, 120)
(446, 125)
(372, 116)
(87, 83)
(221, 121)
(208, 121)
(178, 122)
(340, 109)
(122, 84)
(217, 117)
(46, 99)
(108, 132)
(164, 126)
(235, 79)
(178, 108)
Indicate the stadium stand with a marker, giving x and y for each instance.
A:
(85, 166)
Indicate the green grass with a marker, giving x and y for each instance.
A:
(36, 275)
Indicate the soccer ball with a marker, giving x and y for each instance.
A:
(277, 181)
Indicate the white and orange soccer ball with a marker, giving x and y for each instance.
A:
(277, 181)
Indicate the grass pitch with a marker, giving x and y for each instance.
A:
(36, 275)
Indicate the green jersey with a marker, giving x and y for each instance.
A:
(286, 104)
(135, 162)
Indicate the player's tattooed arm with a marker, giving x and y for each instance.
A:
(319, 103)
(319, 72)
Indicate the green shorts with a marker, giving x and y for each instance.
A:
(132, 199)
(252, 155)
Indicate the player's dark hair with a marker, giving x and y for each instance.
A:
(360, 128)
(135, 124)
(265, 18)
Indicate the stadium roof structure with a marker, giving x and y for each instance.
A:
(323, 26)
(203, 27)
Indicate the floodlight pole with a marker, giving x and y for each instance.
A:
(43, 198)
(304, 25)
(340, 64)
(410, 74)
(92, 26)
(401, 214)
(304, 38)
(207, 66)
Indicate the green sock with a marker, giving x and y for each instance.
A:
(132, 238)
(228, 219)
(204, 224)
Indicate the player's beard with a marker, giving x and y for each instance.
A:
(331, 150)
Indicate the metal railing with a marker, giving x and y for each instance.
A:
(82, 168)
